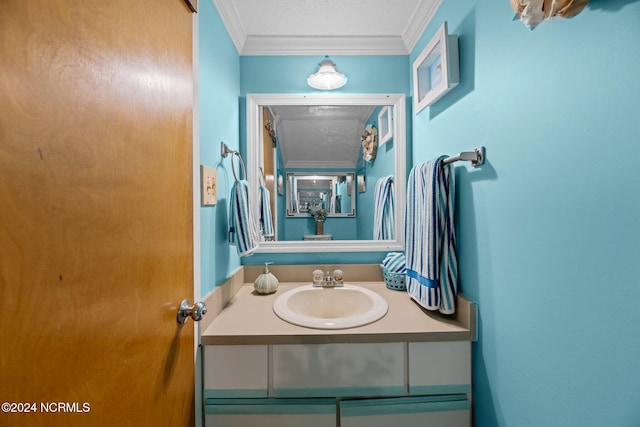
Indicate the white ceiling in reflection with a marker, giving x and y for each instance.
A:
(320, 137)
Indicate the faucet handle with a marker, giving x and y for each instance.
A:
(338, 276)
(318, 277)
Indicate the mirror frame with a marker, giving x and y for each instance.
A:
(300, 175)
(254, 160)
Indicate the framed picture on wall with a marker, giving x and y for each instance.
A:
(385, 125)
(436, 70)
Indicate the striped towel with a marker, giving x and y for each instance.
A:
(432, 265)
(266, 220)
(395, 262)
(243, 230)
(383, 208)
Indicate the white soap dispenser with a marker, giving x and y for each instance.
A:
(266, 283)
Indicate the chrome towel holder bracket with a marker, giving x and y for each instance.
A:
(476, 157)
(225, 151)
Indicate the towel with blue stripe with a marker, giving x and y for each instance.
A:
(243, 229)
(383, 208)
(432, 265)
(266, 219)
(395, 262)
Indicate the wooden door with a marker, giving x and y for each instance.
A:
(95, 212)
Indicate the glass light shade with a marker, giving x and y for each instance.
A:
(327, 77)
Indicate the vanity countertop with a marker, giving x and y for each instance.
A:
(248, 318)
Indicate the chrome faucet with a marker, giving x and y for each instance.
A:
(328, 280)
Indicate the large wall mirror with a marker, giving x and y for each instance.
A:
(296, 139)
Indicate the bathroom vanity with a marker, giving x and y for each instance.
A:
(410, 368)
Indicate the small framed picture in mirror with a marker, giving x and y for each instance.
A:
(436, 70)
(385, 125)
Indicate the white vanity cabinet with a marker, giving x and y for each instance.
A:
(439, 367)
(367, 384)
(232, 371)
(421, 411)
(270, 413)
(332, 370)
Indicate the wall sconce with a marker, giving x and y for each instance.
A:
(327, 77)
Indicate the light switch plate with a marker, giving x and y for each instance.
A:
(208, 184)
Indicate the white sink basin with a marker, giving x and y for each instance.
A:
(330, 308)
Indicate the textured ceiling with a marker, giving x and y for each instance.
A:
(331, 27)
(319, 137)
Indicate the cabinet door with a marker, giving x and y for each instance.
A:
(235, 371)
(324, 370)
(420, 411)
(439, 367)
(270, 413)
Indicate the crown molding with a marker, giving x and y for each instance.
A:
(231, 19)
(323, 45)
(416, 26)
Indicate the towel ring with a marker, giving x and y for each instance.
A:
(225, 151)
(233, 168)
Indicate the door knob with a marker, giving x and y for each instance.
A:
(195, 312)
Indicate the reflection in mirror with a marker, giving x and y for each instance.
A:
(293, 138)
(332, 191)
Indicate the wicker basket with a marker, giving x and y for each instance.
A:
(395, 281)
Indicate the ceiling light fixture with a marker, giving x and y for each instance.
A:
(327, 77)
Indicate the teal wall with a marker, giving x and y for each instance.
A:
(288, 74)
(382, 165)
(219, 80)
(549, 229)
